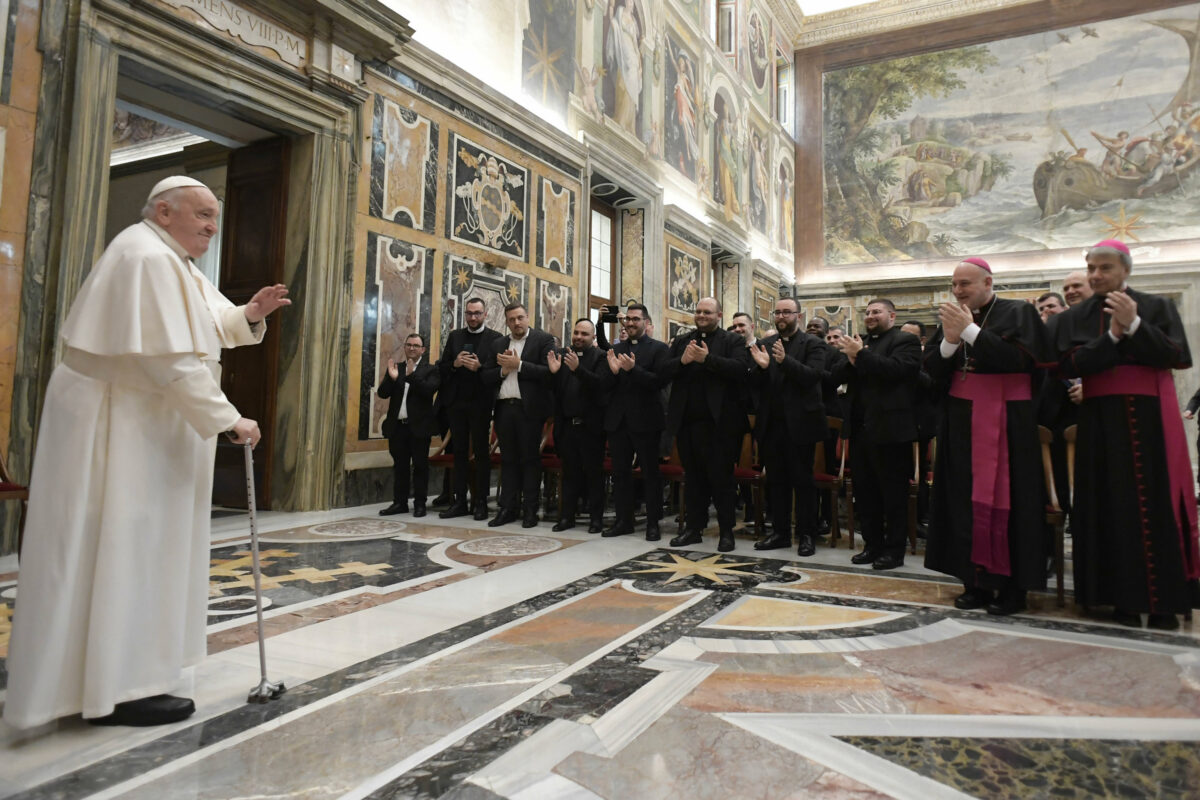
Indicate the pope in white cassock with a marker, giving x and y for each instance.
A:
(113, 586)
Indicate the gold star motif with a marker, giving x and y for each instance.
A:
(513, 292)
(543, 62)
(462, 278)
(707, 568)
(1123, 226)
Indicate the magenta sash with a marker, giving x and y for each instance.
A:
(991, 495)
(1152, 382)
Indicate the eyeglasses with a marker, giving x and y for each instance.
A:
(473, 313)
(779, 313)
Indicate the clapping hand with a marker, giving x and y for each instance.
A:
(508, 361)
(760, 355)
(1124, 311)
(393, 369)
(955, 319)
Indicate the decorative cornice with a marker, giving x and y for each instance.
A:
(790, 19)
(890, 15)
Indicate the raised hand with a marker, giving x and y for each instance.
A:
(760, 355)
(553, 361)
(955, 319)
(266, 300)
(393, 369)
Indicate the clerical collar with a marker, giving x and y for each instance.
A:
(985, 308)
(476, 330)
(168, 239)
(632, 341)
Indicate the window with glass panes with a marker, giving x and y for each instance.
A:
(602, 266)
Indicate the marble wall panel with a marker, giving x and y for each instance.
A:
(404, 166)
(8, 32)
(731, 290)
(398, 300)
(633, 232)
(837, 313)
(465, 279)
(556, 228)
(764, 303)
(489, 204)
(555, 311)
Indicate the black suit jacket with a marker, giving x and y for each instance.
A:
(882, 387)
(635, 401)
(459, 385)
(422, 384)
(794, 385)
(533, 379)
(723, 376)
(579, 393)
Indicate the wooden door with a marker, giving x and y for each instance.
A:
(254, 221)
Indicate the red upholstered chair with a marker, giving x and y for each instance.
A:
(752, 474)
(672, 472)
(551, 465)
(440, 455)
(11, 490)
(830, 474)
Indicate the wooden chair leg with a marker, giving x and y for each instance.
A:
(1059, 550)
(760, 528)
(850, 512)
(912, 521)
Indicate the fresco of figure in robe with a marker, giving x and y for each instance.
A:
(683, 104)
(623, 29)
(727, 178)
(760, 182)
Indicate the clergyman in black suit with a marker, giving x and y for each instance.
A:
(519, 377)
(468, 405)
(635, 419)
(881, 372)
(579, 425)
(790, 423)
(708, 370)
(408, 424)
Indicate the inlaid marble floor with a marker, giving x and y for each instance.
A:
(459, 661)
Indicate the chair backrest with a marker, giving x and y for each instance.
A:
(439, 448)
(547, 437)
(747, 457)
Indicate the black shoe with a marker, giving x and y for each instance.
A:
(1130, 618)
(595, 526)
(564, 524)
(503, 518)
(973, 598)
(161, 709)
(1163, 622)
(806, 548)
(652, 532)
(867, 556)
(1007, 604)
(686, 538)
(773, 542)
(530, 519)
(481, 513)
(456, 510)
(442, 500)
(725, 542)
(887, 562)
(822, 528)
(419, 510)
(619, 528)
(394, 508)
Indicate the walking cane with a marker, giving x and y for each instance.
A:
(266, 690)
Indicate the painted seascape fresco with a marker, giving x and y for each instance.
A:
(1040, 142)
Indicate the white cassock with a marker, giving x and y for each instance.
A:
(113, 584)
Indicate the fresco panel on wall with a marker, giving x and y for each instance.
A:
(683, 280)
(548, 53)
(555, 311)
(1047, 141)
(465, 279)
(683, 103)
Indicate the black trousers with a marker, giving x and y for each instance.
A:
(923, 475)
(824, 502)
(407, 449)
(881, 476)
(520, 439)
(622, 446)
(789, 481)
(581, 450)
(470, 428)
(707, 455)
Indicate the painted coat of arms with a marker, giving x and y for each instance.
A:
(489, 204)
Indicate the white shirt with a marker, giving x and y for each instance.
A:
(404, 398)
(509, 388)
